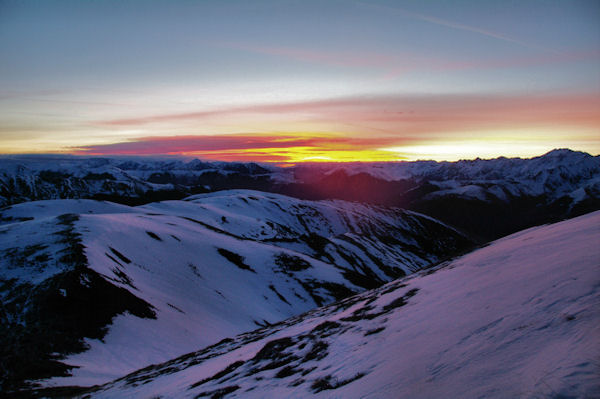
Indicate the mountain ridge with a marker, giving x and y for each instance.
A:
(537, 341)
(486, 199)
(189, 273)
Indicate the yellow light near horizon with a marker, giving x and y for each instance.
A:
(310, 146)
(524, 143)
(454, 151)
(299, 155)
(318, 158)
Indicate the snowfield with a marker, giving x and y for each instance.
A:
(517, 318)
(167, 278)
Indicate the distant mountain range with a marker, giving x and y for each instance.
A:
(487, 199)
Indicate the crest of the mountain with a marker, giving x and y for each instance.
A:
(88, 286)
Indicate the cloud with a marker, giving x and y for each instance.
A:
(455, 25)
(390, 65)
(519, 62)
(245, 144)
(365, 125)
(393, 65)
(317, 107)
(407, 114)
(346, 59)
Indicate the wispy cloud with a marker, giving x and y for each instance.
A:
(347, 59)
(388, 65)
(393, 65)
(455, 25)
(308, 107)
(408, 114)
(519, 62)
(193, 144)
(364, 126)
(249, 147)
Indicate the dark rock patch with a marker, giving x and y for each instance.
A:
(219, 393)
(330, 382)
(236, 259)
(291, 263)
(153, 235)
(120, 255)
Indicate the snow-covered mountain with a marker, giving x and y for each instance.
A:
(518, 318)
(126, 179)
(558, 173)
(485, 198)
(148, 283)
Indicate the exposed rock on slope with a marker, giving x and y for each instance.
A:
(178, 275)
(518, 318)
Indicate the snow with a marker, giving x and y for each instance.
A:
(517, 318)
(53, 208)
(167, 254)
(469, 191)
(556, 174)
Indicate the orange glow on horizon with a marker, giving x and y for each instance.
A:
(293, 155)
(300, 155)
(314, 147)
(352, 129)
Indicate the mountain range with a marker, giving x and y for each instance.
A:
(486, 199)
(164, 277)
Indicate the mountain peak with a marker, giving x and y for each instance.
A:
(563, 152)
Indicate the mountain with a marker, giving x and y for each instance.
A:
(518, 318)
(129, 180)
(486, 199)
(92, 290)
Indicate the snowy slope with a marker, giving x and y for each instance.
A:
(518, 318)
(178, 275)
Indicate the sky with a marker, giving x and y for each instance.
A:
(300, 81)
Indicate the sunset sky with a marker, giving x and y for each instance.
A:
(293, 81)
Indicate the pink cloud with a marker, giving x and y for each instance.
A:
(412, 114)
(392, 65)
(367, 124)
(346, 59)
(231, 143)
(518, 62)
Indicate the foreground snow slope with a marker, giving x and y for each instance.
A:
(146, 284)
(518, 318)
